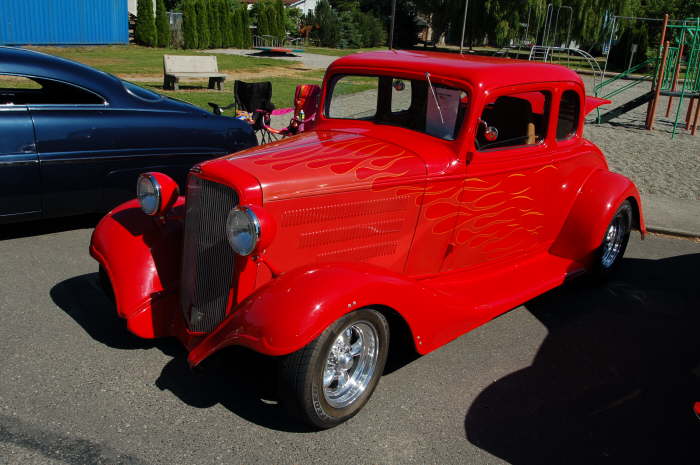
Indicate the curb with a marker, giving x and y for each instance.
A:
(671, 216)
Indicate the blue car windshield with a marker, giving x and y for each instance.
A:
(141, 93)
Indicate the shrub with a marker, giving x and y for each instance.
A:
(162, 25)
(145, 27)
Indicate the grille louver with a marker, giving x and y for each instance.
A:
(207, 259)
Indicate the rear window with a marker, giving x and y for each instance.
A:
(569, 110)
(414, 104)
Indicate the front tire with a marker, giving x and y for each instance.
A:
(332, 378)
(614, 243)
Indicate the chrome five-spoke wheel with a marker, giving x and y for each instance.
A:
(328, 381)
(350, 364)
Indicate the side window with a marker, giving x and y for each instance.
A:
(400, 95)
(12, 88)
(569, 110)
(20, 90)
(514, 120)
(354, 97)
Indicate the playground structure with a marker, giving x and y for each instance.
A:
(673, 73)
(551, 44)
(276, 45)
(678, 55)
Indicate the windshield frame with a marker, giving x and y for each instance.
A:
(438, 81)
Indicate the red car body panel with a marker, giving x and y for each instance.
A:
(357, 214)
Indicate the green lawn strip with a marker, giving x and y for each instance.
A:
(339, 52)
(133, 59)
(283, 87)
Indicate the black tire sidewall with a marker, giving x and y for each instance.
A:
(323, 414)
(602, 271)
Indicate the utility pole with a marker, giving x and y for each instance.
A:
(391, 32)
(464, 25)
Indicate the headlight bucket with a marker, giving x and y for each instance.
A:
(156, 193)
(249, 229)
(242, 230)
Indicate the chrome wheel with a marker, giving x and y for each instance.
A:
(614, 241)
(350, 364)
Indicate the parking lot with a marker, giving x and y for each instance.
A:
(580, 375)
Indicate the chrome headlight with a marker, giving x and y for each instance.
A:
(148, 193)
(242, 230)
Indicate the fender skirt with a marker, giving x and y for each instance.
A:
(594, 207)
(141, 255)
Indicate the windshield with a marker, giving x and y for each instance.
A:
(395, 101)
(141, 93)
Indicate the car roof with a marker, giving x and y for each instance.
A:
(480, 71)
(15, 60)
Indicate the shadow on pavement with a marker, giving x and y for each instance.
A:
(614, 380)
(242, 381)
(49, 226)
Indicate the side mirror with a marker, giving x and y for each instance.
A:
(490, 132)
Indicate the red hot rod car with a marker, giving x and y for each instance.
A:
(434, 193)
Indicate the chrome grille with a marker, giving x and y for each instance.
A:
(207, 258)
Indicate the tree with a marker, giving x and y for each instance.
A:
(145, 28)
(189, 24)
(162, 24)
(281, 16)
(214, 26)
(329, 32)
(226, 22)
(247, 36)
(204, 38)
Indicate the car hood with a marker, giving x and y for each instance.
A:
(326, 161)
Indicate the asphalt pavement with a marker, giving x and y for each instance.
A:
(584, 374)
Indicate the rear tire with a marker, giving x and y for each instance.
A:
(328, 381)
(609, 255)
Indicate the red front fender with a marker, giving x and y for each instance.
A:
(292, 310)
(594, 207)
(141, 255)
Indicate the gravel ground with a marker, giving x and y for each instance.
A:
(658, 164)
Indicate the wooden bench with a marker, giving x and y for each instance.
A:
(184, 66)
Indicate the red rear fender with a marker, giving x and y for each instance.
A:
(595, 204)
(141, 256)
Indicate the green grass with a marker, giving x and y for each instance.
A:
(339, 52)
(196, 92)
(283, 87)
(135, 60)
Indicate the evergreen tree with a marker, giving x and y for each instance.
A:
(238, 28)
(328, 34)
(262, 20)
(226, 22)
(189, 24)
(281, 19)
(204, 38)
(247, 35)
(162, 24)
(214, 26)
(145, 28)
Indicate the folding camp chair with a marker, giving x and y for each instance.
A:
(252, 102)
(306, 100)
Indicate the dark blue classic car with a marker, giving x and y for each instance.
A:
(74, 139)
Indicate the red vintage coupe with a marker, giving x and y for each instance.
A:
(435, 192)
